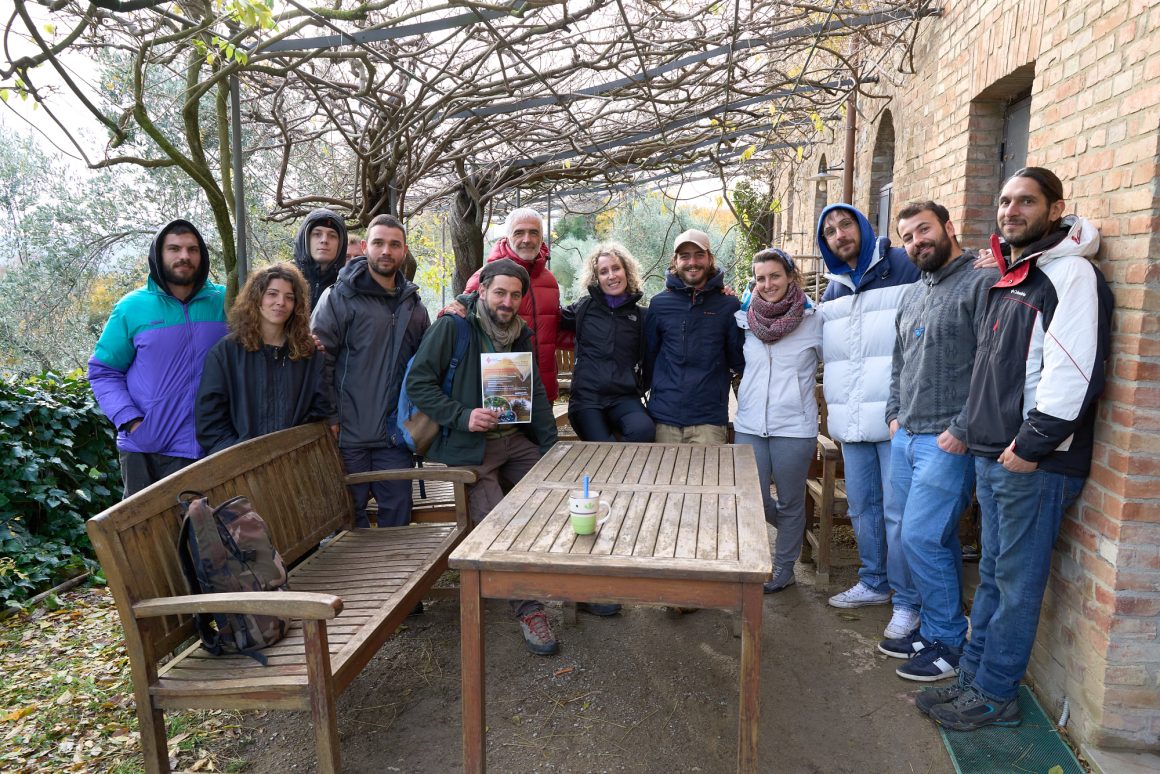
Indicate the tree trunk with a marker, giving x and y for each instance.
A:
(467, 214)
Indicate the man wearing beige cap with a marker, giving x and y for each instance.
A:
(692, 347)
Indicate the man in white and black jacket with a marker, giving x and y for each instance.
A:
(1039, 371)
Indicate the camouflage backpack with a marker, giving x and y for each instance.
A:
(228, 549)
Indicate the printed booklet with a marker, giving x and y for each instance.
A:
(507, 385)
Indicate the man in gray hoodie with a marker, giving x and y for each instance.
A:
(930, 469)
(370, 323)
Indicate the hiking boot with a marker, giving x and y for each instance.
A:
(782, 579)
(905, 647)
(902, 622)
(538, 634)
(972, 710)
(598, 608)
(930, 697)
(859, 595)
(937, 662)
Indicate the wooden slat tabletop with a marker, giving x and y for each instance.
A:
(677, 511)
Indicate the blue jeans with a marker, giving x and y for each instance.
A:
(877, 517)
(1021, 516)
(392, 497)
(935, 486)
(785, 462)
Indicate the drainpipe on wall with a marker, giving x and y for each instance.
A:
(851, 134)
(851, 131)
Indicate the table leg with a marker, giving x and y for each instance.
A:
(747, 717)
(471, 638)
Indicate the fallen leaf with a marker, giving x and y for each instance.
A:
(174, 741)
(18, 714)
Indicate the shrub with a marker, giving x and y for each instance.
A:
(59, 458)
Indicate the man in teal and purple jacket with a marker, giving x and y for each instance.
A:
(147, 364)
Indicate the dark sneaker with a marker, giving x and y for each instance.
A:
(538, 634)
(930, 697)
(905, 647)
(972, 710)
(597, 608)
(937, 662)
(781, 580)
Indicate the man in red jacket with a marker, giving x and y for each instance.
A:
(540, 308)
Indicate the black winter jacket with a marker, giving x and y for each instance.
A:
(1039, 365)
(357, 322)
(609, 350)
(244, 394)
(692, 343)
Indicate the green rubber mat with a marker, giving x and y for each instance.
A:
(1033, 746)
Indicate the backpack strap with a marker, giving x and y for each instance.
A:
(463, 339)
(208, 635)
(463, 332)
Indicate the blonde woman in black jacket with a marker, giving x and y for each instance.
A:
(607, 388)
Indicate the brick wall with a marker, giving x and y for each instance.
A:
(1094, 78)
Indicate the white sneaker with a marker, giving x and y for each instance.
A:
(859, 596)
(902, 623)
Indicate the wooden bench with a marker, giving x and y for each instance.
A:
(346, 597)
(430, 500)
(564, 429)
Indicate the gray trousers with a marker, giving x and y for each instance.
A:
(785, 462)
(140, 469)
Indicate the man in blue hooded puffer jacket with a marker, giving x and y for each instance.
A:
(867, 281)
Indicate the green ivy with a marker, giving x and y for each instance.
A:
(60, 468)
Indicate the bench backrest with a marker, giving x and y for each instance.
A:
(293, 478)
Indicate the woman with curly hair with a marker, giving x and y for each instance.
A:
(267, 373)
(609, 322)
(777, 413)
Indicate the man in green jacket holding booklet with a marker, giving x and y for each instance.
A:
(476, 438)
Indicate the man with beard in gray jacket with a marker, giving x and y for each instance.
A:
(370, 323)
(932, 474)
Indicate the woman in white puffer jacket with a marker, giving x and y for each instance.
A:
(777, 413)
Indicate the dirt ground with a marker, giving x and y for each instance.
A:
(639, 692)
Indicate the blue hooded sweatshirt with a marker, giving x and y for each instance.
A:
(879, 264)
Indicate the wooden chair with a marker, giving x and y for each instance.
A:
(565, 360)
(825, 497)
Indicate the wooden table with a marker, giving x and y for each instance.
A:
(686, 529)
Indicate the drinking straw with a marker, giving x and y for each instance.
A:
(586, 486)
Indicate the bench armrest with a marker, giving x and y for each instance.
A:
(827, 449)
(455, 475)
(307, 605)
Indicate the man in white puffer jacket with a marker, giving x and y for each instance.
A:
(867, 281)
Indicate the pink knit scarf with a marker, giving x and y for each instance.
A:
(770, 321)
